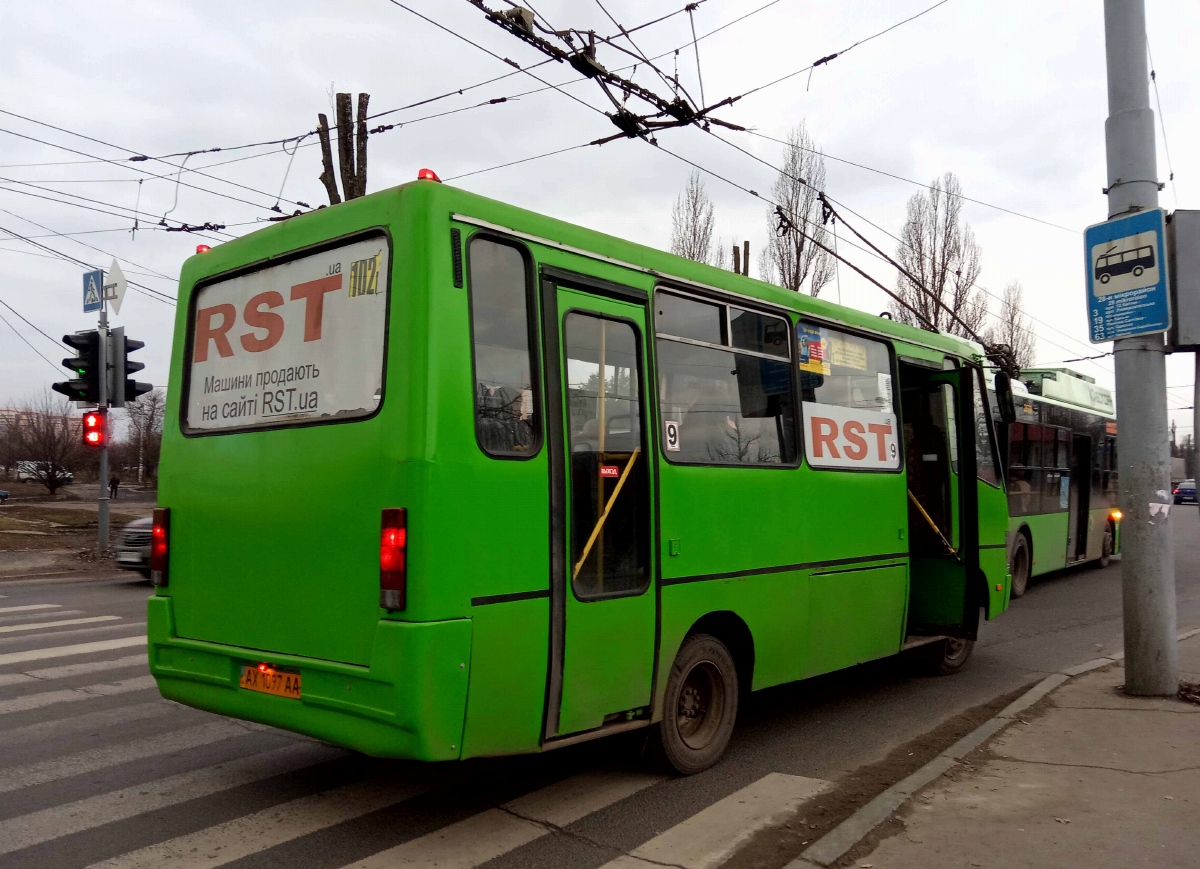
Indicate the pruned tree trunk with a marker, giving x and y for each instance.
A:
(345, 131)
(360, 135)
(327, 176)
(352, 150)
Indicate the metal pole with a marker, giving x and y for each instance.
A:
(1148, 566)
(102, 501)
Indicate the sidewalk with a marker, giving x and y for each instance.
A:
(1087, 777)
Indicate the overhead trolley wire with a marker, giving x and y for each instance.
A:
(1162, 123)
(138, 287)
(155, 159)
(26, 340)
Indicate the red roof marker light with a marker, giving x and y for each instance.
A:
(202, 248)
(428, 175)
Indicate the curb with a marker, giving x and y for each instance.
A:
(837, 842)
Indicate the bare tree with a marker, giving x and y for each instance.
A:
(145, 429)
(692, 222)
(47, 435)
(1014, 328)
(792, 261)
(940, 251)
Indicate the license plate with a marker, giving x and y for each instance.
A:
(271, 682)
(129, 556)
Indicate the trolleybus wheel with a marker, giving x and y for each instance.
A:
(700, 705)
(1106, 548)
(950, 655)
(1018, 565)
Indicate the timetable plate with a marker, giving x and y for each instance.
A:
(271, 682)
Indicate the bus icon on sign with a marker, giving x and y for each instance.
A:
(1129, 263)
(1124, 262)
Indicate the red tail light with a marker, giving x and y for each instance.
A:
(1176, 492)
(393, 559)
(160, 535)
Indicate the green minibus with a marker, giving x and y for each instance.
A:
(444, 478)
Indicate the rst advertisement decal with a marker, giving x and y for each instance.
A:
(293, 342)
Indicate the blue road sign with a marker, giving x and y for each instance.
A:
(1127, 283)
(93, 291)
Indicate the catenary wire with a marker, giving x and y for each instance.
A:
(27, 342)
(1162, 123)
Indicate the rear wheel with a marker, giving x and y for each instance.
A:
(1018, 565)
(700, 705)
(950, 655)
(1106, 548)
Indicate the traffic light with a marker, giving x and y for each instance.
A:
(87, 366)
(95, 428)
(120, 387)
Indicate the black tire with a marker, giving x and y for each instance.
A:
(1106, 548)
(949, 656)
(1019, 564)
(700, 706)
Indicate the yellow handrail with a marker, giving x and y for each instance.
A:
(932, 524)
(600, 522)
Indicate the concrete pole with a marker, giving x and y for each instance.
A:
(102, 501)
(1148, 566)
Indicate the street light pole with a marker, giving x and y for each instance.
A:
(1148, 567)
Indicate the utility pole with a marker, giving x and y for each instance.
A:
(1148, 566)
(102, 503)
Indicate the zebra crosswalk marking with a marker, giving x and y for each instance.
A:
(70, 670)
(46, 731)
(708, 838)
(62, 623)
(494, 832)
(70, 651)
(71, 695)
(29, 607)
(250, 834)
(95, 759)
(28, 617)
(46, 825)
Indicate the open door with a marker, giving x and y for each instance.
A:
(603, 603)
(940, 467)
(1080, 498)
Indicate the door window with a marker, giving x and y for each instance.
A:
(609, 483)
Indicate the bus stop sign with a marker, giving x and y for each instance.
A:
(1127, 287)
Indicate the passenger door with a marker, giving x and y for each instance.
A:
(603, 606)
(944, 596)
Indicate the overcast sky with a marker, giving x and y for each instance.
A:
(1011, 97)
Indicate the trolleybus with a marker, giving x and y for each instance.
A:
(444, 478)
(1061, 465)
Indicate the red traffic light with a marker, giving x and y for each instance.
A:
(95, 428)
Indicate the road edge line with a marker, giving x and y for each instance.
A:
(837, 842)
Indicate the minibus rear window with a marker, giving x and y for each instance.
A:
(298, 342)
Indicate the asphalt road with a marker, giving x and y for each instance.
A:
(96, 768)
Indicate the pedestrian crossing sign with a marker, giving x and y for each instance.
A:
(93, 296)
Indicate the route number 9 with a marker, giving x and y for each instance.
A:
(671, 435)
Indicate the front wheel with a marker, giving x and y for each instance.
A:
(950, 655)
(700, 705)
(1018, 566)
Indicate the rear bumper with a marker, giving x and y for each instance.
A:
(409, 702)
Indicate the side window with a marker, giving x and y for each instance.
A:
(985, 453)
(724, 383)
(506, 407)
(848, 400)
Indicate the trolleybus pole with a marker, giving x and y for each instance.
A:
(1148, 569)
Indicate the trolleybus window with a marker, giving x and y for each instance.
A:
(985, 454)
(723, 404)
(848, 402)
(506, 407)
